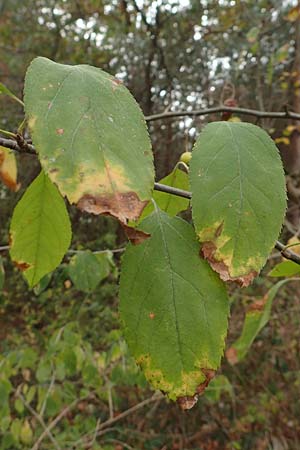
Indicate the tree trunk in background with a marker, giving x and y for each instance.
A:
(292, 156)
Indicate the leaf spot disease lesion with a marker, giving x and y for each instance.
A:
(60, 131)
(187, 402)
(151, 315)
(116, 83)
(22, 265)
(213, 239)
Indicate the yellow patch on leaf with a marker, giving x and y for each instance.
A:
(8, 169)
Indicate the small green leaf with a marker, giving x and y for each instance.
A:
(256, 318)
(26, 433)
(15, 428)
(5, 389)
(174, 309)
(68, 357)
(44, 371)
(238, 197)
(252, 35)
(91, 137)
(19, 405)
(285, 269)
(169, 203)
(30, 394)
(40, 230)
(86, 270)
(4, 90)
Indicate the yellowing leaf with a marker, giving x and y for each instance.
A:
(293, 14)
(174, 309)
(294, 243)
(282, 53)
(91, 138)
(8, 169)
(26, 434)
(252, 35)
(282, 140)
(236, 213)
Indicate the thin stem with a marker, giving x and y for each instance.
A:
(220, 109)
(8, 133)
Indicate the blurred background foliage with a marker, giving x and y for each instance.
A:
(66, 378)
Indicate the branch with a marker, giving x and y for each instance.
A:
(41, 421)
(54, 422)
(220, 109)
(155, 397)
(20, 147)
(28, 148)
(288, 254)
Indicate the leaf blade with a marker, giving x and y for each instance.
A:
(86, 270)
(91, 137)
(40, 230)
(237, 215)
(8, 169)
(166, 291)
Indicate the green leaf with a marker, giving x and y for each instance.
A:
(169, 203)
(40, 230)
(68, 357)
(4, 90)
(256, 318)
(19, 405)
(252, 35)
(238, 197)
(285, 269)
(26, 433)
(91, 137)
(5, 389)
(174, 309)
(86, 270)
(44, 370)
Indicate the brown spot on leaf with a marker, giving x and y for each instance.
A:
(209, 375)
(208, 251)
(188, 402)
(116, 83)
(151, 315)
(124, 206)
(231, 355)
(134, 235)
(22, 265)
(60, 131)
